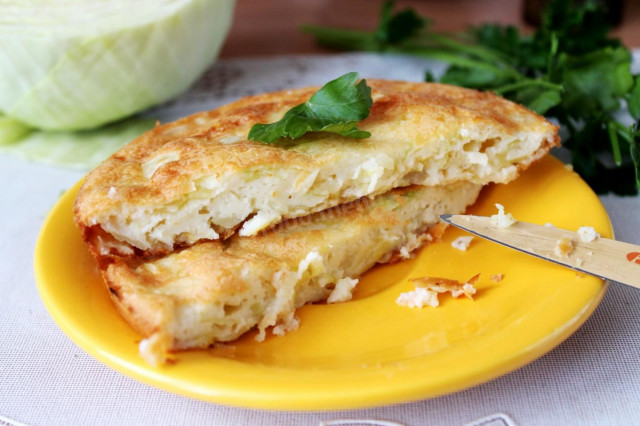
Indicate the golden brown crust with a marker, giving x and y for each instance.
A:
(144, 311)
(197, 137)
(153, 294)
(213, 143)
(235, 284)
(431, 234)
(148, 312)
(546, 146)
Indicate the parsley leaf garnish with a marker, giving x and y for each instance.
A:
(569, 69)
(336, 108)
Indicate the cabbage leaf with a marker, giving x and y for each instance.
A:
(79, 64)
(82, 150)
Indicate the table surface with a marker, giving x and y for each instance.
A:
(592, 378)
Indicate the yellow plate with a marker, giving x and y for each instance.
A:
(368, 351)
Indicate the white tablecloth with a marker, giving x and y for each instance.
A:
(45, 379)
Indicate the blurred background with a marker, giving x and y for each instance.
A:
(273, 27)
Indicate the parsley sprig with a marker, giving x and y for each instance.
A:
(569, 69)
(336, 108)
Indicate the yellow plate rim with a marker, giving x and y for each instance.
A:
(289, 399)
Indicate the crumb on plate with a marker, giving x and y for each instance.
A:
(462, 243)
(427, 290)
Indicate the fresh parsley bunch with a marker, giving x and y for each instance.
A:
(569, 69)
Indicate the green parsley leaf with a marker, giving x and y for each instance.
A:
(538, 100)
(475, 78)
(336, 108)
(594, 83)
(582, 26)
(635, 150)
(394, 28)
(633, 100)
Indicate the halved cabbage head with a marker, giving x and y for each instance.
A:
(78, 64)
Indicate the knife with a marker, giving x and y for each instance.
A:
(602, 257)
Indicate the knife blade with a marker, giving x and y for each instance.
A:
(602, 257)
